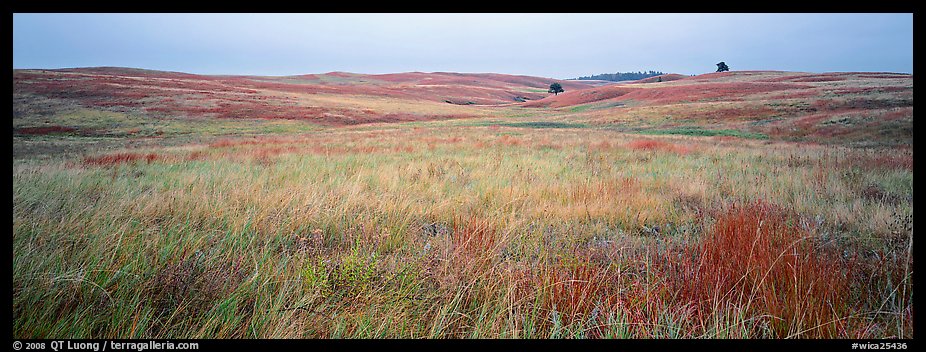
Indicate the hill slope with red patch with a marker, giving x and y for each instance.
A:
(863, 107)
(176, 94)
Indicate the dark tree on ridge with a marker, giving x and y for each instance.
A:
(722, 67)
(556, 88)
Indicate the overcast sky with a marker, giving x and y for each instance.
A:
(547, 45)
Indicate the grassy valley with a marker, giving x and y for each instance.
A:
(751, 204)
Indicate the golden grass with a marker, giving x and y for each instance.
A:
(426, 232)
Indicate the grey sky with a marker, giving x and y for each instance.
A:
(548, 45)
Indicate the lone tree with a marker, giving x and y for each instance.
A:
(556, 88)
(721, 67)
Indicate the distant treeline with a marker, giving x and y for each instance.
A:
(622, 76)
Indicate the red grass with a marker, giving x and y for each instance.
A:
(825, 77)
(801, 94)
(196, 155)
(120, 158)
(225, 142)
(756, 258)
(893, 162)
(479, 88)
(897, 114)
(707, 91)
(587, 287)
(808, 121)
(885, 75)
(225, 97)
(340, 150)
(712, 75)
(474, 237)
(508, 140)
(734, 113)
(602, 146)
(819, 79)
(648, 145)
(575, 293)
(493, 80)
(666, 95)
(657, 145)
(582, 96)
(855, 104)
(871, 90)
(45, 130)
(437, 140)
(403, 149)
(113, 90)
(473, 247)
(887, 159)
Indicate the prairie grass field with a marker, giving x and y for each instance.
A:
(762, 213)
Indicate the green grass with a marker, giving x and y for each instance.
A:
(581, 108)
(535, 90)
(543, 124)
(467, 234)
(701, 132)
(100, 129)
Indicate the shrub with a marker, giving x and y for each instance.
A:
(351, 275)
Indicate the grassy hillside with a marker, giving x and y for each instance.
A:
(734, 205)
(861, 109)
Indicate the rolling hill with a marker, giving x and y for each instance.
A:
(335, 98)
(848, 107)
(863, 108)
(735, 205)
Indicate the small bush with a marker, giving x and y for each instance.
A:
(351, 275)
(315, 274)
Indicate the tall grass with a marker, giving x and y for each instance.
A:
(465, 232)
(757, 261)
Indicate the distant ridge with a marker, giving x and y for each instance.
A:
(661, 78)
(621, 76)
